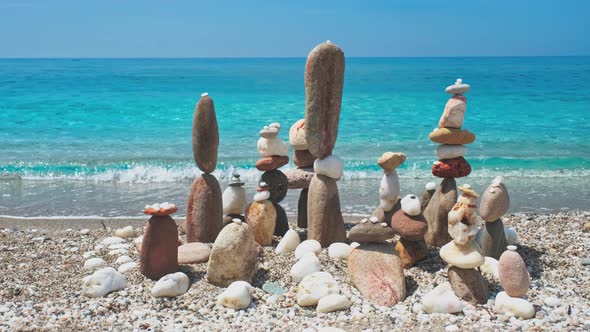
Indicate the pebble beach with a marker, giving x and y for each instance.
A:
(43, 267)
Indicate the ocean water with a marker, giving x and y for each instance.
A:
(104, 137)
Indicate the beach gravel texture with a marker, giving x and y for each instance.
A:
(43, 267)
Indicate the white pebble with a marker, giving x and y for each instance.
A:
(331, 166)
(171, 285)
(126, 267)
(94, 263)
(333, 302)
(307, 246)
(411, 205)
(305, 266)
(261, 196)
(236, 296)
(125, 232)
(123, 260)
(552, 301)
(102, 282)
(430, 186)
(339, 250)
(288, 243)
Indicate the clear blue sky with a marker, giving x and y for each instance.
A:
(265, 28)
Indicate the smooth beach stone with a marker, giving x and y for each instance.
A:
(462, 218)
(111, 240)
(370, 232)
(297, 135)
(411, 252)
(282, 222)
(451, 168)
(302, 209)
(299, 178)
(495, 201)
(324, 218)
(389, 161)
(262, 217)
(430, 188)
(288, 243)
(102, 282)
(454, 113)
(125, 232)
(123, 260)
(518, 307)
(330, 166)
(511, 235)
(271, 163)
(94, 263)
(306, 246)
(437, 213)
(386, 204)
(442, 299)
(333, 302)
(513, 274)
(205, 134)
(303, 158)
(171, 285)
(469, 285)
(261, 196)
(411, 205)
(389, 188)
(306, 265)
(551, 301)
(451, 136)
(324, 80)
(126, 267)
(315, 286)
(450, 151)
(490, 266)
(377, 272)
(339, 250)
(269, 131)
(465, 256)
(278, 185)
(271, 145)
(233, 256)
(234, 200)
(230, 218)
(204, 213)
(159, 248)
(236, 296)
(408, 227)
(492, 239)
(194, 253)
(458, 88)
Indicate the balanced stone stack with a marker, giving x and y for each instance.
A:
(462, 253)
(261, 215)
(234, 200)
(495, 202)
(300, 177)
(204, 214)
(515, 279)
(410, 225)
(159, 246)
(324, 80)
(451, 163)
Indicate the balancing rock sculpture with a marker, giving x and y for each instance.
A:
(411, 226)
(234, 200)
(495, 202)
(515, 279)
(159, 247)
(324, 80)
(261, 215)
(204, 215)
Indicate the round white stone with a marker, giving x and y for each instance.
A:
(111, 240)
(518, 307)
(94, 263)
(171, 285)
(552, 301)
(339, 250)
(234, 200)
(288, 243)
(450, 151)
(236, 296)
(308, 246)
(442, 299)
(261, 196)
(511, 235)
(305, 266)
(389, 188)
(274, 146)
(125, 232)
(430, 186)
(102, 282)
(411, 205)
(333, 302)
(466, 256)
(490, 266)
(315, 286)
(126, 267)
(331, 166)
(123, 260)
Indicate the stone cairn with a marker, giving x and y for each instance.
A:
(234, 200)
(462, 253)
(204, 214)
(495, 202)
(451, 164)
(300, 177)
(515, 279)
(324, 80)
(410, 225)
(159, 247)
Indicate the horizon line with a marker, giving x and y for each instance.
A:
(292, 57)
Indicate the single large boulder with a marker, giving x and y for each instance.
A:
(324, 218)
(205, 134)
(233, 256)
(437, 212)
(204, 213)
(377, 272)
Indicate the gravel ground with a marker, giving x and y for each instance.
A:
(42, 271)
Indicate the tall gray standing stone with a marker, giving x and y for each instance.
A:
(205, 134)
(437, 213)
(324, 218)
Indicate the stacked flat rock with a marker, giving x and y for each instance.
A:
(234, 200)
(261, 215)
(300, 177)
(376, 228)
(452, 138)
(277, 182)
(410, 225)
(462, 253)
(204, 215)
(324, 80)
(159, 246)
(495, 202)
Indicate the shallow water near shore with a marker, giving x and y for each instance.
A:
(104, 137)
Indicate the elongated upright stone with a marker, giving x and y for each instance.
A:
(205, 134)
(324, 80)
(159, 247)
(204, 213)
(302, 209)
(437, 212)
(495, 202)
(324, 218)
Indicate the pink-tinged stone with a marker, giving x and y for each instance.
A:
(454, 113)
(513, 274)
(205, 135)
(204, 214)
(159, 248)
(324, 218)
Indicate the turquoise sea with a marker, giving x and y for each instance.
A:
(104, 137)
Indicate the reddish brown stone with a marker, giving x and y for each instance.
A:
(204, 213)
(411, 252)
(205, 135)
(324, 218)
(469, 285)
(303, 158)
(408, 227)
(159, 248)
(451, 168)
(271, 163)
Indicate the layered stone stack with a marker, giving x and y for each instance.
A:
(300, 177)
(462, 253)
(261, 215)
(159, 246)
(324, 80)
(515, 279)
(204, 214)
(410, 225)
(451, 164)
(234, 200)
(495, 202)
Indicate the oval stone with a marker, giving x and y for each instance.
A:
(297, 135)
(452, 136)
(205, 135)
(411, 228)
(454, 112)
(495, 202)
(262, 217)
(303, 158)
(451, 168)
(204, 213)
(450, 151)
(513, 274)
(271, 163)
